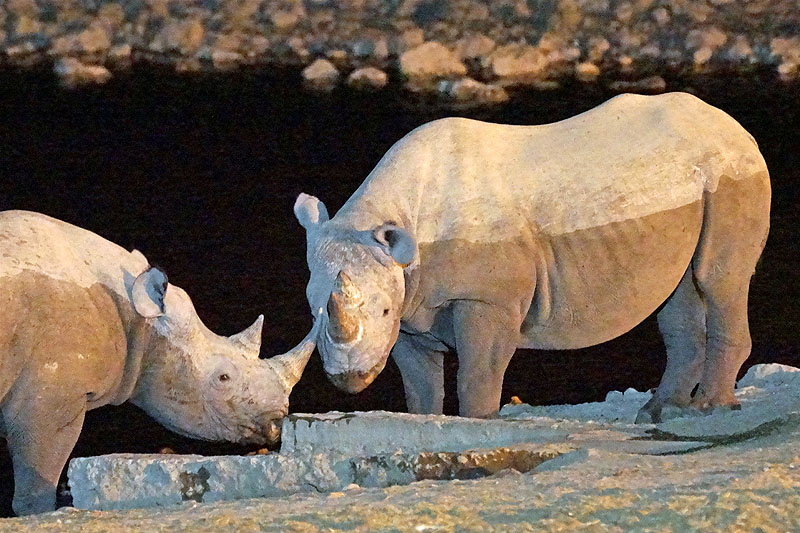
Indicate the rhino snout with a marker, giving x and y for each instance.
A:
(273, 431)
(353, 381)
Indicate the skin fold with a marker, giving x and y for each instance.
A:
(484, 238)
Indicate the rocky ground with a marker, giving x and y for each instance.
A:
(745, 478)
(463, 50)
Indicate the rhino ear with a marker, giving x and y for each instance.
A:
(148, 293)
(310, 212)
(396, 242)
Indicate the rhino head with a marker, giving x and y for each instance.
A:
(357, 280)
(203, 385)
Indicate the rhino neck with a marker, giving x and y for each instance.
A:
(139, 338)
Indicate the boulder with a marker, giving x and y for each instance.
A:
(379, 432)
(431, 61)
(367, 78)
(73, 73)
(321, 75)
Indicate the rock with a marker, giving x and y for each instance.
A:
(73, 73)
(26, 25)
(91, 41)
(598, 46)
(321, 75)
(183, 37)
(380, 432)
(225, 60)
(284, 20)
(651, 84)
(740, 50)
(474, 46)
(125, 481)
(430, 61)
(517, 62)
(769, 376)
(587, 71)
(367, 78)
(787, 50)
(469, 90)
(120, 53)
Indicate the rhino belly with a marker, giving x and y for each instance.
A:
(596, 284)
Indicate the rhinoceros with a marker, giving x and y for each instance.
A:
(85, 323)
(483, 238)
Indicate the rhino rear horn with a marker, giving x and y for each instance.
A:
(289, 366)
(250, 339)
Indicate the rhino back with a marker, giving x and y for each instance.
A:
(38, 243)
(629, 158)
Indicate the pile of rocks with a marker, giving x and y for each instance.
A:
(465, 50)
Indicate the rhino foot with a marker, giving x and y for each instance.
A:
(655, 412)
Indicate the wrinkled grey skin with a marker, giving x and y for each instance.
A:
(85, 323)
(484, 238)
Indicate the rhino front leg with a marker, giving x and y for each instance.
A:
(423, 375)
(486, 339)
(682, 323)
(40, 441)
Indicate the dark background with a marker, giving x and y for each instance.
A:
(200, 173)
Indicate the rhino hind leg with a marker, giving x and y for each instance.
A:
(423, 375)
(40, 440)
(735, 227)
(682, 323)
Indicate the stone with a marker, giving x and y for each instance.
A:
(587, 71)
(367, 78)
(125, 481)
(474, 46)
(380, 432)
(431, 60)
(183, 37)
(740, 50)
(93, 40)
(321, 74)
(470, 90)
(26, 25)
(120, 53)
(651, 84)
(517, 62)
(598, 46)
(225, 60)
(72, 73)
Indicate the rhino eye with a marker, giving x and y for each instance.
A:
(224, 377)
(385, 312)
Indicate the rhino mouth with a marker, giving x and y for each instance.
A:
(354, 382)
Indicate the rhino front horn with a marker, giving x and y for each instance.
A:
(289, 366)
(250, 339)
(343, 324)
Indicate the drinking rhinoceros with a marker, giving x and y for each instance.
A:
(85, 323)
(485, 238)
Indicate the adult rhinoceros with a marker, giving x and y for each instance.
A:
(485, 238)
(85, 323)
